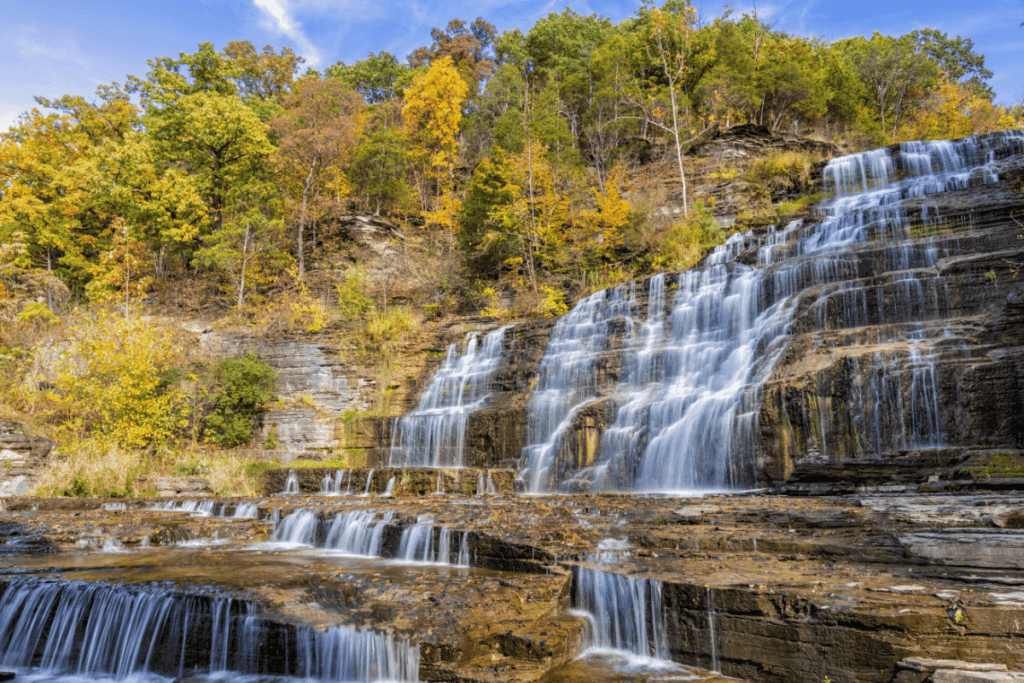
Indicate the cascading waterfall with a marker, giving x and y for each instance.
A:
(291, 484)
(362, 533)
(625, 612)
(75, 628)
(434, 435)
(418, 544)
(359, 532)
(207, 508)
(685, 404)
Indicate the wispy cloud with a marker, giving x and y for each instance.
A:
(30, 46)
(279, 17)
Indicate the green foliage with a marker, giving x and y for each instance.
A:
(353, 304)
(691, 238)
(378, 78)
(788, 171)
(245, 385)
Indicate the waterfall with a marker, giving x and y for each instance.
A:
(291, 484)
(83, 629)
(685, 399)
(418, 544)
(369, 481)
(362, 533)
(357, 533)
(715, 666)
(434, 435)
(389, 490)
(625, 612)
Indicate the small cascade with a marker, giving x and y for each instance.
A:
(687, 391)
(434, 435)
(481, 487)
(291, 484)
(715, 666)
(625, 612)
(439, 487)
(90, 630)
(196, 508)
(418, 544)
(389, 490)
(358, 533)
(246, 511)
(327, 485)
(369, 481)
(491, 488)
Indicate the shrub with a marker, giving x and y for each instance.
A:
(117, 380)
(246, 384)
(689, 239)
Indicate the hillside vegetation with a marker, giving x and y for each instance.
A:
(517, 172)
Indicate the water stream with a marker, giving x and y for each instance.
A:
(59, 629)
(434, 435)
(686, 381)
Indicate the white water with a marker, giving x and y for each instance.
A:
(291, 484)
(626, 612)
(419, 545)
(685, 406)
(75, 630)
(361, 533)
(434, 435)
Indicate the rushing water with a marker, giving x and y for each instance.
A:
(363, 533)
(687, 388)
(625, 612)
(434, 435)
(57, 630)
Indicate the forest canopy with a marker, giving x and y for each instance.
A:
(517, 154)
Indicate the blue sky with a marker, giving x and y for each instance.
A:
(57, 47)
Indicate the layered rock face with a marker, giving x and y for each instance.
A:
(881, 328)
(22, 457)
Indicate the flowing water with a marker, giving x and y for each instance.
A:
(55, 630)
(687, 390)
(434, 435)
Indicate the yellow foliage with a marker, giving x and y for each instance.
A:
(553, 303)
(433, 112)
(308, 312)
(114, 381)
(953, 111)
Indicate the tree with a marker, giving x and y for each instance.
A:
(895, 76)
(665, 35)
(378, 78)
(49, 181)
(217, 140)
(432, 112)
(955, 110)
(469, 48)
(956, 58)
(378, 168)
(317, 133)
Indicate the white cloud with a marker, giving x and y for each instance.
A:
(280, 19)
(58, 49)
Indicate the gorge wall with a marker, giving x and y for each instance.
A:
(886, 326)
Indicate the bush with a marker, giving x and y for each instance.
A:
(117, 380)
(246, 384)
(689, 239)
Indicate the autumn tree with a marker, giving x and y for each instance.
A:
(317, 133)
(432, 113)
(468, 47)
(49, 180)
(659, 99)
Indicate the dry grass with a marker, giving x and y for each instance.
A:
(88, 469)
